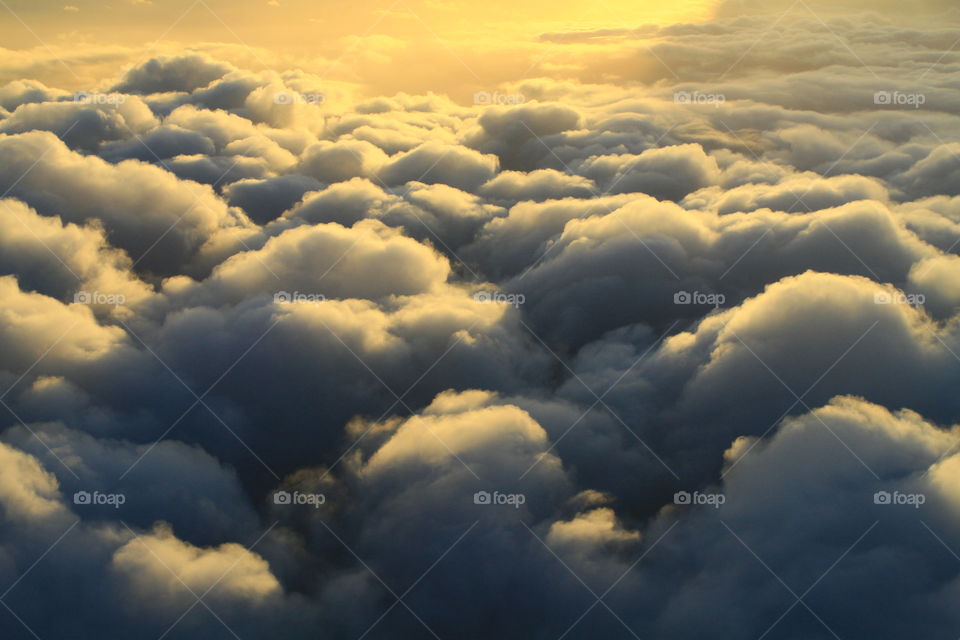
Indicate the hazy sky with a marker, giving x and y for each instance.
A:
(318, 27)
(388, 46)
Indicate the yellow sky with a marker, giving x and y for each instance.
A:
(389, 45)
(280, 23)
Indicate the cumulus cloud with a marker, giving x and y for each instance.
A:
(172, 73)
(542, 184)
(80, 124)
(669, 173)
(368, 260)
(171, 218)
(436, 163)
(63, 260)
(797, 488)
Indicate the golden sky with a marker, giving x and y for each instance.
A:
(388, 45)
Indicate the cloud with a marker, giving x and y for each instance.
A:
(34, 323)
(340, 161)
(669, 173)
(539, 185)
(368, 260)
(172, 73)
(520, 136)
(805, 492)
(82, 125)
(935, 174)
(591, 530)
(451, 431)
(169, 564)
(27, 491)
(265, 200)
(61, 260)
(434, 163)
(160, 143)
(173, 217)
(18, 92)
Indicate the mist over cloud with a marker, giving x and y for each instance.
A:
(658, 337)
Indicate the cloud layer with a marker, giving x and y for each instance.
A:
(663, 341)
